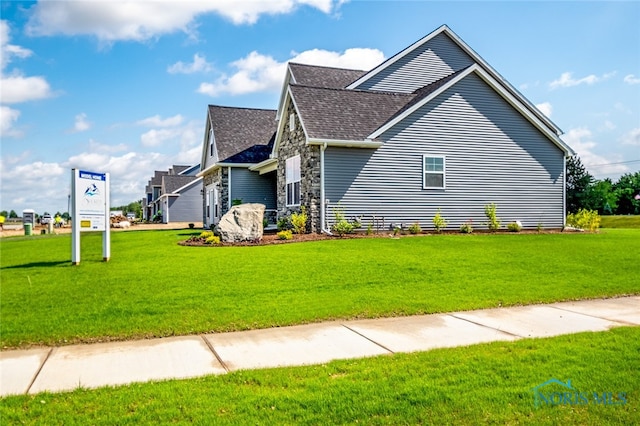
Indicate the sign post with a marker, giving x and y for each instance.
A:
(89, 210)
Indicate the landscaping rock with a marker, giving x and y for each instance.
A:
(242, 223)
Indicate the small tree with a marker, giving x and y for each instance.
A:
(490, 211)
(578, 184)
(439, 222)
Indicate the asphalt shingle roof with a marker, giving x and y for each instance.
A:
(316, 76)
(342, 114)
(171, 183)
(243, 135)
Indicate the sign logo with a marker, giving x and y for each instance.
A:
(92, 190)
(554, 392)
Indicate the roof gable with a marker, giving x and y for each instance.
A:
(238, 130)
(437, 52)
(449, 82)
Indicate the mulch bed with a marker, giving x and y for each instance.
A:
(270, 238)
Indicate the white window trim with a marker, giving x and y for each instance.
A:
(443, 172)
(292, 182)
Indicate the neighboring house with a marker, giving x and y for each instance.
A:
(235, 140)
(433, 127)
(175, 195)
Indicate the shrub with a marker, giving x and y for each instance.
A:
(212, 240)
(285, 235)
(369, 229)
(299, 221)
(415, 228)
(341, 225)
(514, 226)
(493, 220)
(588, 220)
(206, 234)
(467, 227)
(439, 222)
(284, 223)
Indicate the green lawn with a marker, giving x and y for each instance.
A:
(154, 287)
(482, 384)
(627, 222)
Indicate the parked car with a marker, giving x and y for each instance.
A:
(131, 216)
(45, 219)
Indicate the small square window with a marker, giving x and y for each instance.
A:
(433, 172)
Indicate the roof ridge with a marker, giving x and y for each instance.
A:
(244, 108)
(327, 67)
(342, 89)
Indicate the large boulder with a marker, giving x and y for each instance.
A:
(242, 223)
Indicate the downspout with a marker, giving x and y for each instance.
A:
(564, 194)
(322, 195)
(229, 185)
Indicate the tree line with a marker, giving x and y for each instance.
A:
(604, 196)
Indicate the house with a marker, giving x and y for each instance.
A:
(235, 140)
(432, 128)
(174, 195)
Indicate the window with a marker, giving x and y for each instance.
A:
(293, 180)
(433, 172)
(292, 122)
(211, 140)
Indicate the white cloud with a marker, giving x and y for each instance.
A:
(7, 51)
(631, 79)
(111, 21)
(632, 137)
(186, 136)
(8, 117)
(257, 72)
(157, 121)
(567, 80)
(582, 141)
(81, 124)
(545, 108)
(199, 64)
(17, 88)
(95, 146)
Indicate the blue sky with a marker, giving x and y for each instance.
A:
(123, 86)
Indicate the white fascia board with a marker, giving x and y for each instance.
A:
(173, 194)
(265, 166)
(282, 122)
(288, 79)
(297, 113)
(193, 183)
(211, 168)
(367, 143)
(205, 147)
(396, 58)
(514, 101)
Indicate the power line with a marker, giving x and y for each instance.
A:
(611, 164)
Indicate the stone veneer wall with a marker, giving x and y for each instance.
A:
(221, 178)
(294, 143)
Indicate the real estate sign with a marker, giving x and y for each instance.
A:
(90, 209)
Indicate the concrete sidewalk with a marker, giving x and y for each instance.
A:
(107, 364)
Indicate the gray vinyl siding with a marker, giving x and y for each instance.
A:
(432, 61)
(493, 154)
(252, 187)
(188, 206)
